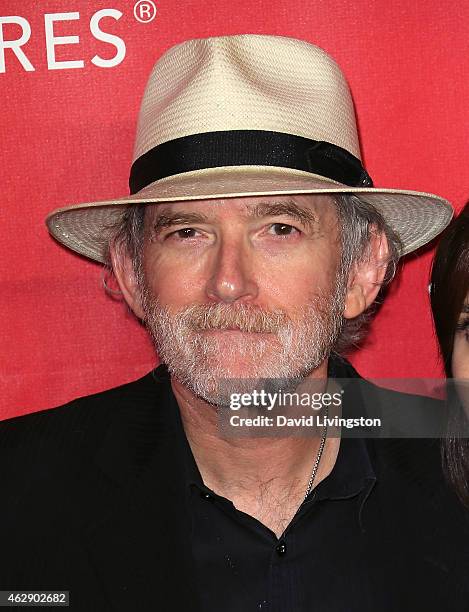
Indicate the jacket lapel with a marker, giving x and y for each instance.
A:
(141, 540)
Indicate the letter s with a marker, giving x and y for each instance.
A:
(117, 42)
(337, 399)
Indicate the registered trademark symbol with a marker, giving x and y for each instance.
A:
(144, 11)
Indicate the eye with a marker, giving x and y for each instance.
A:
(463, 327)
(283, 229)
(184, 233)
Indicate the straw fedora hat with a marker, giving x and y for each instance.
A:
(247, 115)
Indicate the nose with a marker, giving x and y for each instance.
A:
(231, 277)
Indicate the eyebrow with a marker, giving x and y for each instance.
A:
(259, 211)
(167, 219)
(287, 208)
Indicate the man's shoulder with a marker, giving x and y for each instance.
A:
(86, 415)
(70, 448)
(406, 450)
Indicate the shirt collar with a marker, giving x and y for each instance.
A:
(351, 474)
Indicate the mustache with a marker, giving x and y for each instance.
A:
(242, 317)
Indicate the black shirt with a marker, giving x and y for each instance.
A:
(241, 565)
(325, 560)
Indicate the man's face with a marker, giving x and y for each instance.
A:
(242, 287)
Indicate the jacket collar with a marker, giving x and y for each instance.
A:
(141, 539)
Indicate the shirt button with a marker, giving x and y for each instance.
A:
(205, 495)
(281, 549)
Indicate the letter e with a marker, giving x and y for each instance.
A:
(52, 41)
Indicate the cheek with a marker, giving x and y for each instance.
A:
(292, 281)
(174, 280)
(460, 362)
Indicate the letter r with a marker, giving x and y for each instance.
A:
(15, 45)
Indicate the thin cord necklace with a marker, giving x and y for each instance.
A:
(318, 458)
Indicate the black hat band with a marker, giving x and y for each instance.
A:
(247, 148)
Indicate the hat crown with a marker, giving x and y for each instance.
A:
(246, 82)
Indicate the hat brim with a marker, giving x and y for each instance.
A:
(416, 217)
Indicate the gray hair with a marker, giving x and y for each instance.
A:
(358, 220)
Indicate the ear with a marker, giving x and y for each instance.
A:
(366, 276)
(124, 272)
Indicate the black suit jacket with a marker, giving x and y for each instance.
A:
(93, 502)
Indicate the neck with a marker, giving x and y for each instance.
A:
(240, 468)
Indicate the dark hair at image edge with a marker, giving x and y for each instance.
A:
(448, 291)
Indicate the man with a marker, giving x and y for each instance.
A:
(252, 248)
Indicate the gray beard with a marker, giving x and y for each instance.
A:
(276, 347)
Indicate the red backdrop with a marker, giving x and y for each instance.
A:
(67, 136)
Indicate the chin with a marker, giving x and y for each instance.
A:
(237, 368)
